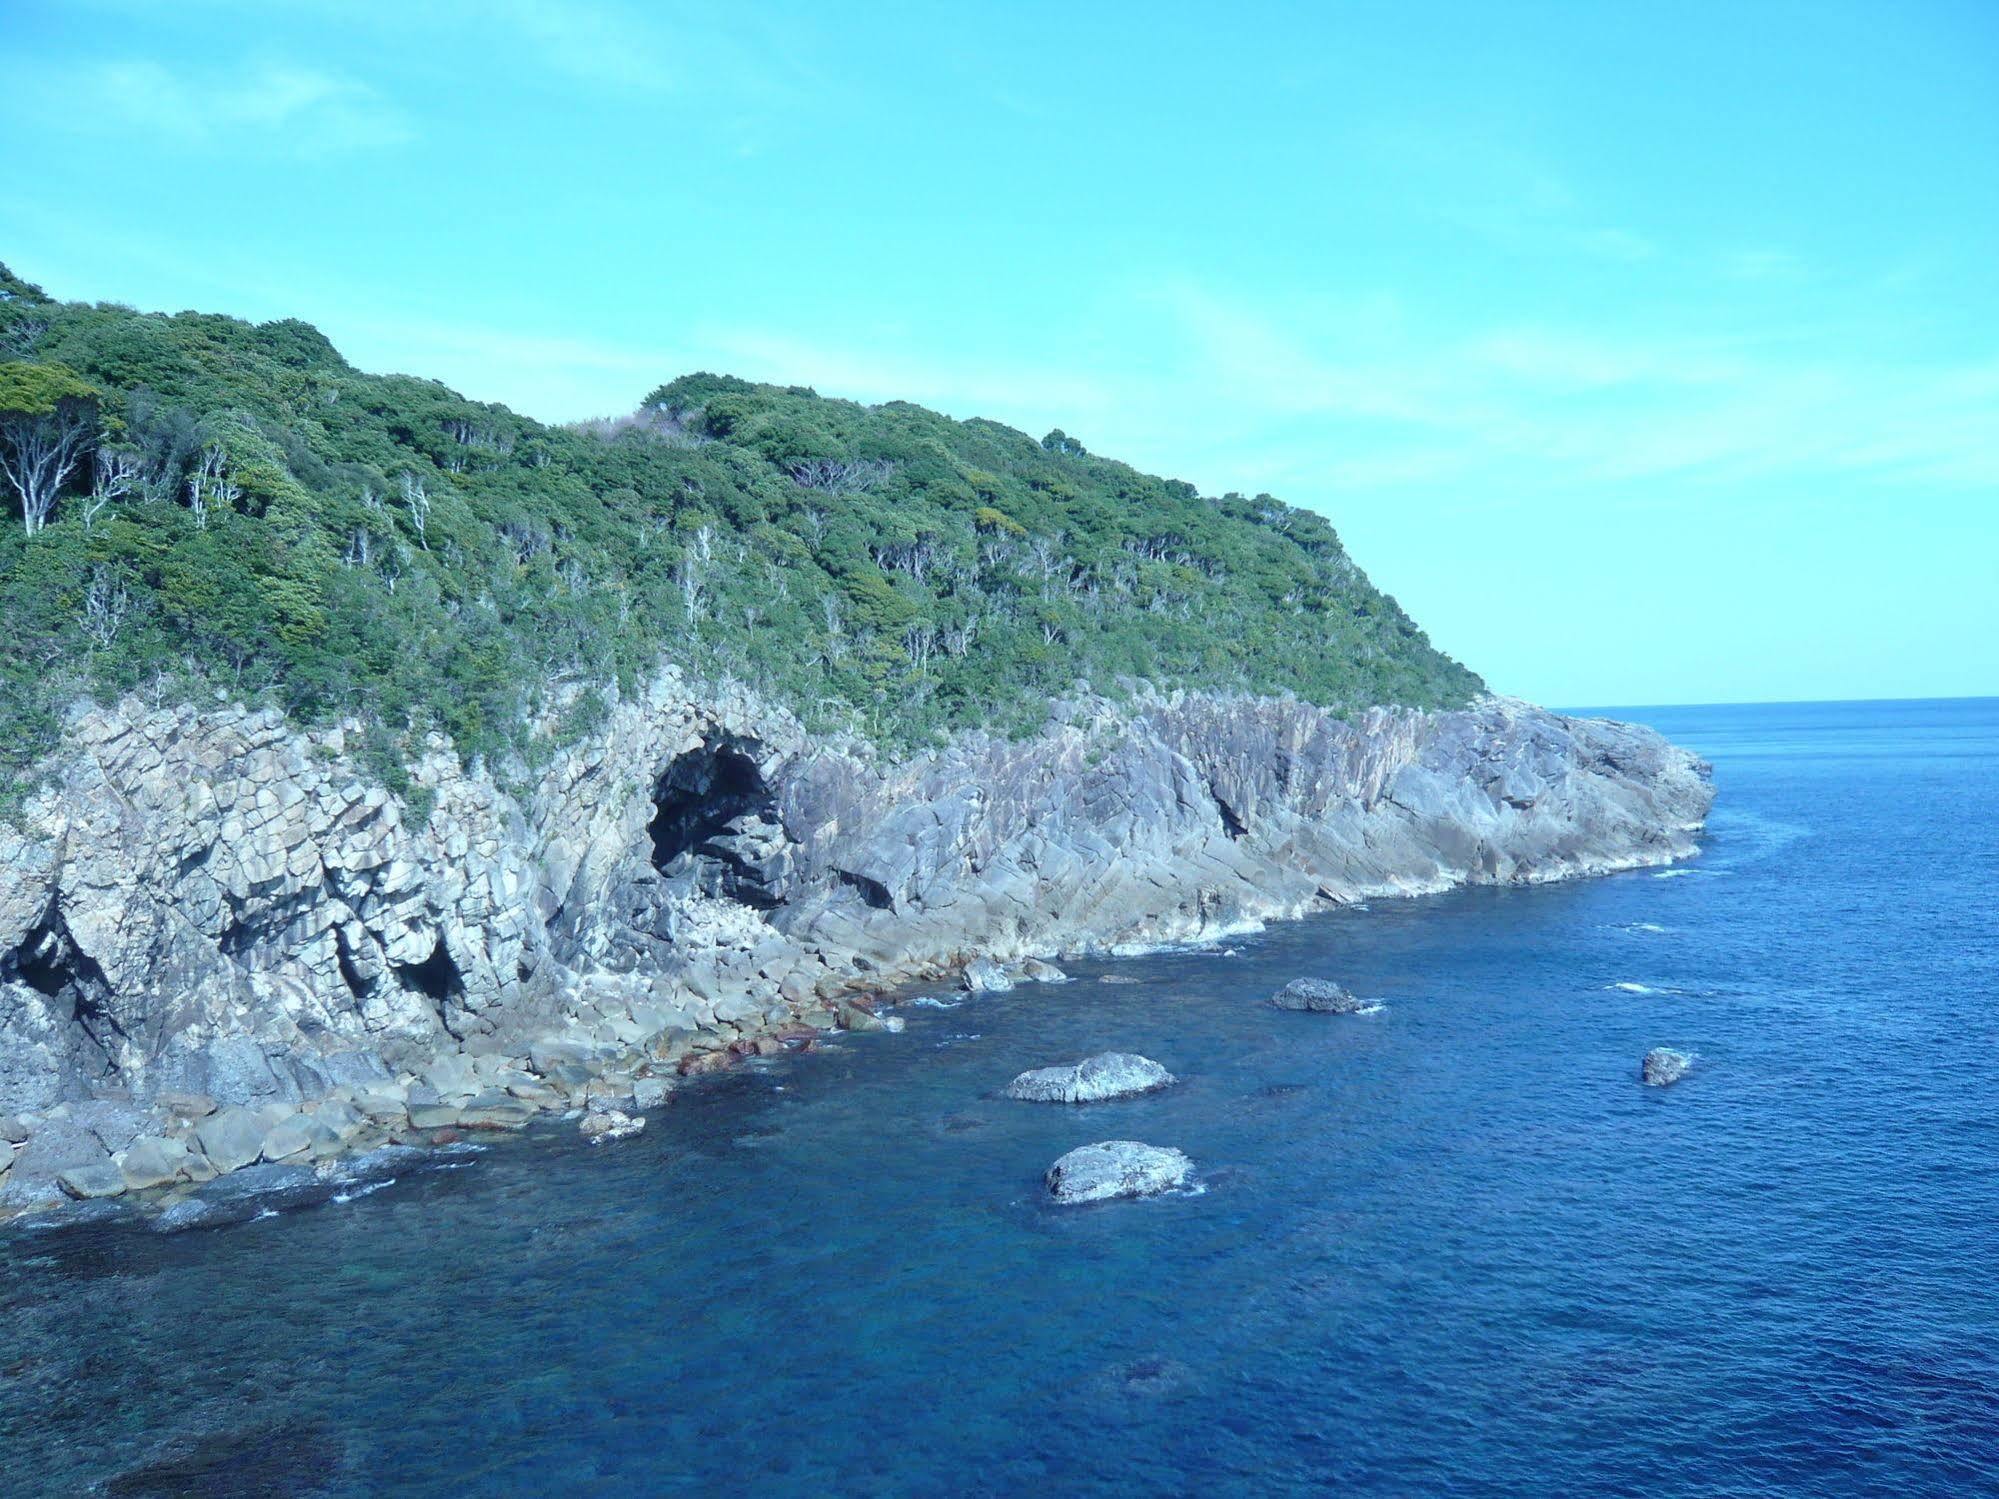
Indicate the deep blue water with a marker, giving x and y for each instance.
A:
(1452, 1247)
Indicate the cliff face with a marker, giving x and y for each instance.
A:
(212, 903)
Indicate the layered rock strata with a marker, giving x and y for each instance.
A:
(210, 910)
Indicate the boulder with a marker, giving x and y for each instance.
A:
(1664, 1066)
(650, 1092)
(340, 1116)
(186, 1105)
(56, 1145)
(1035, 970)
(231, 1138)
(153, 1161)
(854, 1018)
(984, 976)
(98, 1179)
(612, 1124)
(287, 1138)
(432, 1115)
(1322, 996)
(12, 1130)
(1117, 1168)
(1111, 1074)
(495, 1110)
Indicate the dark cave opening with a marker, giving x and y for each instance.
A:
(349, 974)
(873, 892)
(49, 962)
(715, 826)
(436, 978)
(1232, 823)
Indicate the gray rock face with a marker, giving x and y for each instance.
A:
(211, 907)
(1117, 1168)
(1664, 1066)
(1319, 995)
(1038, 971)
(1111, 1074)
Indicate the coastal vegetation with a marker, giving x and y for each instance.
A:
(205, 504)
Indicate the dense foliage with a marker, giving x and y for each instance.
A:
(257, 516)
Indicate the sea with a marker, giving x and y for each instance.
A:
(1450, 1246)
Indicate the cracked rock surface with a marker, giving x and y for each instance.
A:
(217, 930)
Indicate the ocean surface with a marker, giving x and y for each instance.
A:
(1451, 1247)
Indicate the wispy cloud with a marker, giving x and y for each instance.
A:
(262, 105)
(1762, 265)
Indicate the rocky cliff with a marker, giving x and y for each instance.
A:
(220, 941)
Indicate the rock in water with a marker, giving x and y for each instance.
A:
(1319, 995)
(612, 1124)
(984, 976)
(1040, 972)
(1664, 1066)
(1111, 1074)
(1117, 1168)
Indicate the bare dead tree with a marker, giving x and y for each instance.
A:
(958, 637)
(40, 450)
(689, 574)
(25, 334)
(106, 605)
(840, 475)
(417, 500)
(836, 631)
(115, 473)
(210, 484)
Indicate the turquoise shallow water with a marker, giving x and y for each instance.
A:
(1449, 1247)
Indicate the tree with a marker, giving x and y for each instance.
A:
(48, 421)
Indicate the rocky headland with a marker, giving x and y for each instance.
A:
(222, 943)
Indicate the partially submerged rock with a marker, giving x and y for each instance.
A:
(856, 1018)
(1663, 1066)
(1110, 1074)
(1117, 1168)
(984, 976)
(1037, 971)
(612, 1124)
(1322, 996)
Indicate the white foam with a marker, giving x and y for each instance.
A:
(1374, 1009)
(364, 1189)
(1633, 988)
(930, 1002)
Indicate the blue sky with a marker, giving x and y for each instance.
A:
(1647, 353)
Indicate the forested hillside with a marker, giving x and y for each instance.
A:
(202, 503)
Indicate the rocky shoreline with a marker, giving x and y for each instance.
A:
(223, 945)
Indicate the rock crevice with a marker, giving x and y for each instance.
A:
(217, 904)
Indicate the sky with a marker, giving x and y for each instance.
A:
(1646, 353)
